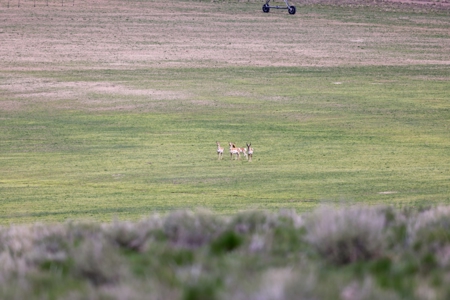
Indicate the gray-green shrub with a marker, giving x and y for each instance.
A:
(345, 235)
(355, 252)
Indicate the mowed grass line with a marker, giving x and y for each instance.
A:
(321, 135)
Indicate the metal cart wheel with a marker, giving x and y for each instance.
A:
(266, 8)
(291, 10)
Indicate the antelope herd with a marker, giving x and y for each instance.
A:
(248, 152)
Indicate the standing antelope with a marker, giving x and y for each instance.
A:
(233, 150)
(242, 150)
(249, 152)
(219, 151)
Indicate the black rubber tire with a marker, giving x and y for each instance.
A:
(266, 8)
(292, 10)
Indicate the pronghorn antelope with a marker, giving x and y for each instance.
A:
(219, 151)
(233, 150)
(242, 150)
(249, 152)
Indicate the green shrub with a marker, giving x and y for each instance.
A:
(205, 289)
(226, 242)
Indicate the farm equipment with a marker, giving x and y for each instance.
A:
(291, 9)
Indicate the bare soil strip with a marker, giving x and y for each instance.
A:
(127, 35)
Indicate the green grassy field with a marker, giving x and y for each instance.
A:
(350, 133)
(380, 130)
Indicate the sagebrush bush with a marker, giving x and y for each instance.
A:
(132, 236)
(252, 222)
(347, 235)
(192, 230)
(98, 262)
(427, 222)
(429, 237)
(347, 253)
(291, 218)
(366, 289)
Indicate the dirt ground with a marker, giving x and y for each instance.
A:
(121, 34)
(434, 3)
(84, 35)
